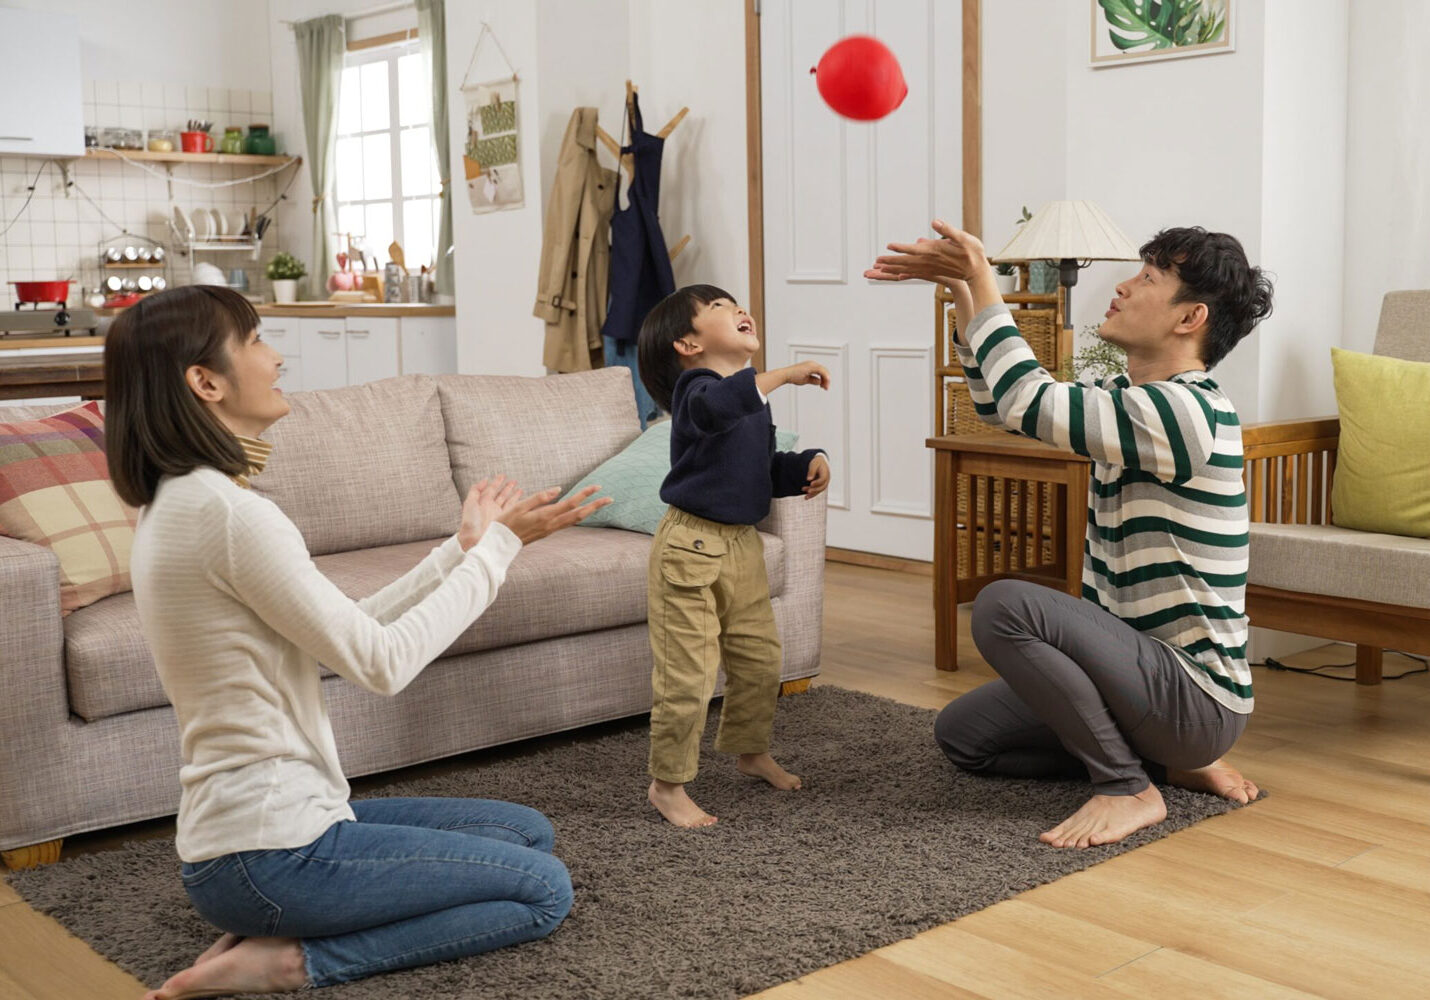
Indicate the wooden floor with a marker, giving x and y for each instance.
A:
(1320, 890)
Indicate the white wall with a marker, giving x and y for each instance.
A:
(1303, 204)
(1387, 234)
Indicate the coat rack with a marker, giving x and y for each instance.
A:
(627, 160)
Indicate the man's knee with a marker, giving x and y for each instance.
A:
(951, 730)
(1000, 604)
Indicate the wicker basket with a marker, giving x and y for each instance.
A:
(1039, 327)
(967, 560)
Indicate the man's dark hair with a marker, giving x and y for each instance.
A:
(1214, 271)
(672, 318)
(154, 425)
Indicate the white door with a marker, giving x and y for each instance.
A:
(835, 192)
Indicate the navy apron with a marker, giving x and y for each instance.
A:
(640, 263)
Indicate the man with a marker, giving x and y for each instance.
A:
(1144, 679)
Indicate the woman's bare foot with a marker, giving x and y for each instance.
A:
(253, 965)
(676, 806)
(762, 765)
(1106, 819)
(1218, 778)
(223, 944)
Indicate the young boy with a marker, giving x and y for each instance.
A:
(709, 596)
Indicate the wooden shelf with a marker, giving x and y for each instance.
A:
(221, 159)
(146, 264)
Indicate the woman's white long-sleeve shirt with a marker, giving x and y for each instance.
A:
(238, 619)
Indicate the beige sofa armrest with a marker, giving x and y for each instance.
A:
(31, 632)
(800, 523)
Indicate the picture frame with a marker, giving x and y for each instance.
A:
(1125, 31)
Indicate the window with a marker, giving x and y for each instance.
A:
(388, 186)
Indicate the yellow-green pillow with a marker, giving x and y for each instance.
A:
(1382, 480)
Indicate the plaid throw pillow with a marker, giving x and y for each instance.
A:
(55, 491)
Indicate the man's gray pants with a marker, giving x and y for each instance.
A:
(1080, 692)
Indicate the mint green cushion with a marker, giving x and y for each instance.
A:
(632, 479)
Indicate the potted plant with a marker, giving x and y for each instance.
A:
(284, 270)
(1096, 359)
(1005, 276)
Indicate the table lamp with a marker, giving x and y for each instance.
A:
(1072, 234)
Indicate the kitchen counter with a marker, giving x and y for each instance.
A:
(18, 342)
(328, 310)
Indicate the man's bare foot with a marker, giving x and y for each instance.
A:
(677, 806)
(1106, 819)
(762, 765)
(254, 965)
(223, 944)
(1219, 778)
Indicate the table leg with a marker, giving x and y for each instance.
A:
(945, 561)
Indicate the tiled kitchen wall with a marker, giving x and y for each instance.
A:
(58, 237)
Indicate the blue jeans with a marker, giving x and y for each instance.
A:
(645, 406)
(413, 881)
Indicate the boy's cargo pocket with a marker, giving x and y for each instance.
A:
(691, 557)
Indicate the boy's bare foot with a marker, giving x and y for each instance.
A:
(762, 765)
(223, 944)
(1106, 819)
(253, 965)
(677, 806)
(1219, 778)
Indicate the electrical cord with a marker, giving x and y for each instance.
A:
(1273, 664)
(33, 185)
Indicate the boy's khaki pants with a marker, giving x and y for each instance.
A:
(709, 599)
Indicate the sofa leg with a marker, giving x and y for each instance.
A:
(795, 687)
(1368, 660)
(29, 857)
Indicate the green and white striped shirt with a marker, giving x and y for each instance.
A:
(1166, 544)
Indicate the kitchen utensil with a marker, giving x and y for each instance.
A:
(208, 274)
(131, 285)
(162, 140)
(197, 142)
(160, 282)
(114, 283)
(145, 283)
(113, 255)
(145, 254)
(94, 300)
(232, 141)
(121, 301)
(131, 254)
(57, 292)
(157, 255)
(395, 254)
(259, 142)
(220, 222)
(204, 220)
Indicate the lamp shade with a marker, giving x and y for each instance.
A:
(1068, 229)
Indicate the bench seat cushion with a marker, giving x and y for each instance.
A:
(1340, 562)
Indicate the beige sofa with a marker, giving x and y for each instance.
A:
(1308, 575)
(372, 475)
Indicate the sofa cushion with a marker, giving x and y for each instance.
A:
(542, 432)
(55, 492)
(1339, 562)
(107, 662)
(364, 465)
(579, 580)
(1382, 480)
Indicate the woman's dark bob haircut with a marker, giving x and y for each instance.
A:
(154, 425)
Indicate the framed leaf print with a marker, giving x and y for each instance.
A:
(1143, 30)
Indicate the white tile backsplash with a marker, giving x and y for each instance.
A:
(58, 236)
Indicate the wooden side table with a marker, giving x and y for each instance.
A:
(1005, 507)
(41, 375)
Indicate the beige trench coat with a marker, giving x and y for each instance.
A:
(576, 251)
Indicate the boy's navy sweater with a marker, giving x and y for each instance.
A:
(723, 462)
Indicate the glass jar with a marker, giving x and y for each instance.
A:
(91, 136)
(127, 138)
(259, 142)
(162, 140)
(232, 141)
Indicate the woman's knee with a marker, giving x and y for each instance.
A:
(998, 605)
(537, 829)
(553, 909)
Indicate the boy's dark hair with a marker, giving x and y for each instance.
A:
(1214, 271)
(672, 318)
(154, 425)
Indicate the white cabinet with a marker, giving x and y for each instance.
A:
(324, 352)
(331, 352)
(42, 112)
(371, 348)
(429, 345)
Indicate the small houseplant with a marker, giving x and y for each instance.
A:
(1006, 277)
(1097, 357)
(284, 270)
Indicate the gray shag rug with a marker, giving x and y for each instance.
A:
(885, 840)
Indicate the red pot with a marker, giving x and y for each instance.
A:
(42, 291)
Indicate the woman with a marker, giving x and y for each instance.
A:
(309, 889)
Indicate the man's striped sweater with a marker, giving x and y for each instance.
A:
(1166, 544)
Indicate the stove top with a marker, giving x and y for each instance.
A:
(58, 321)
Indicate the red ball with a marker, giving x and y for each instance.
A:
(860, 78)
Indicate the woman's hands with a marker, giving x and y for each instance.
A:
(957, 256)
(531, 518)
